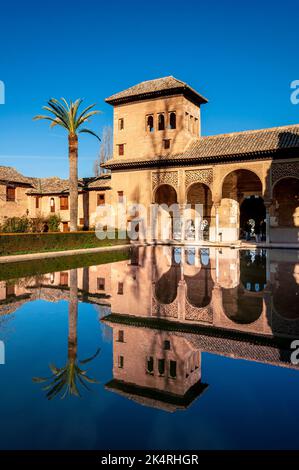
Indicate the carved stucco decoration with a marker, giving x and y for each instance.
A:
(282, 170)
(204, 314)
(165, 310)
(199, 176)
(165, 177)
(256, 168)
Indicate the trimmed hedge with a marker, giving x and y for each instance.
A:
(21, 243)
(42, 266)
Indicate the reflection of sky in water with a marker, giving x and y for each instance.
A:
(177, 255)
(242, 406)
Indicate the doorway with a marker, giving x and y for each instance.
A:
(253, 214)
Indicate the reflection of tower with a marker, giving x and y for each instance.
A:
(155, 368)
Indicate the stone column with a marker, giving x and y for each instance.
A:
(217, 304)
(267, 206)
(182, 222)
(182, 201)
(181, 293)
(216, 206)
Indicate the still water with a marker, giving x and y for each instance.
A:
(163, 348)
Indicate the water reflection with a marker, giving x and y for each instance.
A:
(66, 381)
(166, 307)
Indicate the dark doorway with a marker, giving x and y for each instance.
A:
(252, 212)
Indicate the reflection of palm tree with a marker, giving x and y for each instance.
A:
(66, 380)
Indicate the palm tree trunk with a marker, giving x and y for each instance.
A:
(73, 315)
(73, 181)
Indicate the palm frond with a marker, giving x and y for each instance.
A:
(75, 108)
(65, 114)
(86, 111)
(68, 106)
(85, 361)
(65, 380)
(58, 111)
(88, 131)
(39, 379)
(58, 107)
(39, 116)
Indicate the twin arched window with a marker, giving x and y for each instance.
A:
(161, 122)
(172, 121)
(150, 123)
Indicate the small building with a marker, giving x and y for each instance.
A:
(42, 197)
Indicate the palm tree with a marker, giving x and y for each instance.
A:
(67, 115)
(66, 380)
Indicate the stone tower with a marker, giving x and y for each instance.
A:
(155, 118)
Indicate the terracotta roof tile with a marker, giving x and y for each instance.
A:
(11, 175)
(57, 185)
(223, 146)
(262, 140)
(156, 86)
(49, 186)
(100, 181)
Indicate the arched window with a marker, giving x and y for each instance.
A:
(161, 122)
(52, 204)
(172, 120)
(150, 124)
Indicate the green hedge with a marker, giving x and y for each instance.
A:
(20, 243)
(42, 266)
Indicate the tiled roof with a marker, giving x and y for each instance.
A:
(159, 86)
(11, 175)
(52, 185)
(99, 182)
(155, 398)
(57, 185)
(262, 140)
(223, 147)
(237, 344)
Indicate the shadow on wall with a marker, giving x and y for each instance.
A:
(284, 191)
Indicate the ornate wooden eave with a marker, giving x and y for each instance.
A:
(179, 160)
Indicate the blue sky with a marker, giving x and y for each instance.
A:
(241, 55)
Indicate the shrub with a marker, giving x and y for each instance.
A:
(16, 225)
(37, 224)
(53, 222)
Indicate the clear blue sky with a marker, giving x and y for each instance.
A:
(241, 55)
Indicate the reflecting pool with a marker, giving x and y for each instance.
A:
(151, 348)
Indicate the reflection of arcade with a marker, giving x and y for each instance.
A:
(170, 304)
(216, 301)
(243, 304)
(285, 292)
(247, 291)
